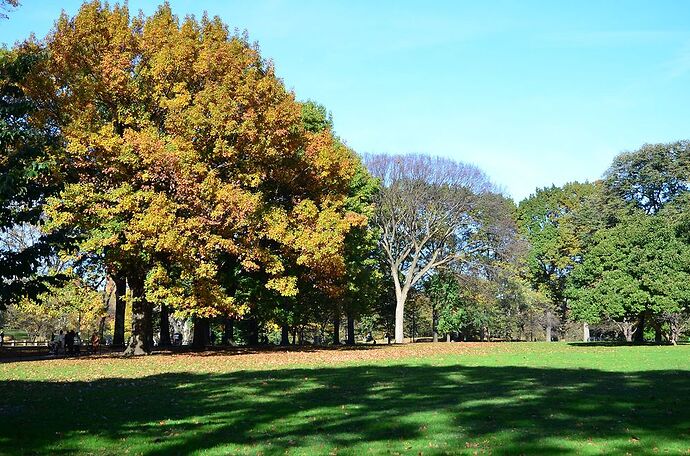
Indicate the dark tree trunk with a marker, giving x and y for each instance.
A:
(284, 335)
(434, 323)
(658, 334)
(200, 338)
(639, 333)
(336, 331)
(165, 327)
(253, 333)
(228, 331)
(350, 330)
(120, 305)
(142, 331)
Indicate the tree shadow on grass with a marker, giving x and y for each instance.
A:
(404, 409)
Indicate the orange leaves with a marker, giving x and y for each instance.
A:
(333, 164)
(189, 155)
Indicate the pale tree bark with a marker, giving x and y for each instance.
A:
(549, 325)
(585, 332)
(628, 329)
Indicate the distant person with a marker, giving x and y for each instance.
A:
(2, 338)
(95, 343)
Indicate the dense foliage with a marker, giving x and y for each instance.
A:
(157, 170)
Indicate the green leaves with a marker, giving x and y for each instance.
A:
(638, 266)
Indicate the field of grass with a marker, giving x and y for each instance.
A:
(446, 398)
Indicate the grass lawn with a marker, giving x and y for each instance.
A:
(446, 398)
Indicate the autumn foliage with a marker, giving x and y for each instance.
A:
(187, 160)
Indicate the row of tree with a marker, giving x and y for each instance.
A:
(162, 163)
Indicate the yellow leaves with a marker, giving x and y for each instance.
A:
(155, 227)
(333, 163)
(189, 148)
(286, 286)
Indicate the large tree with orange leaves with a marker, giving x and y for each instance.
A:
(190, 158)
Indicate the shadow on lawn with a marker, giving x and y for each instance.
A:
(508, 410)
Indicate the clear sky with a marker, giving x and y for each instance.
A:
(534, 93)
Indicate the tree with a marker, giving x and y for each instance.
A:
(27, 178)
(6, 5)
(651, 176)
(444, 293)
(191, 160)
(639, 266)
(558, 225)
(426, 216)
(72, 305)
(646, 180)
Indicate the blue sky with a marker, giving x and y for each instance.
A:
(534, 93)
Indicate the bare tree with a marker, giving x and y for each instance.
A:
(7, 5)
(427, 214)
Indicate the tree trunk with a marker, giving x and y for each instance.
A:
(142, 333)
(253, 332)
(585, 332)
(336, 330)
(434, 323)
(228, 331)
(120, 306)
(284, 335)
(165, 327)
(639, 334)
(658, 334)
(628, 335)
(200, 339)
(400, 298)
(448, 337)
(548, 326)
(628, 330)
(673, 334)
(350, 330)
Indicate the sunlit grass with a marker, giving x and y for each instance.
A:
(429, 399)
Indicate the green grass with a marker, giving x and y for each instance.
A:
(520, 398)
